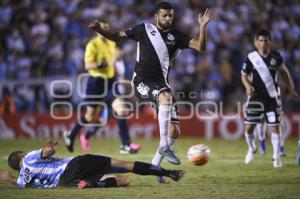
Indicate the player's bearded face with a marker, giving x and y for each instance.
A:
(164, 18)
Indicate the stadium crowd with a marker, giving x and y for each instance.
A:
(46, 39)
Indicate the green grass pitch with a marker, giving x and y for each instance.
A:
(225, 175)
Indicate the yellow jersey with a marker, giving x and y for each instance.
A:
(98, 50)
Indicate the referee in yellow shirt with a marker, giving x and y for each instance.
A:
(99, 60)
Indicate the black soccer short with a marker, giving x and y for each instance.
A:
(258, 108)
(97, 89)
(85, 167)
(148, 91)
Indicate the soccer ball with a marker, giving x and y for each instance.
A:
(198, 154)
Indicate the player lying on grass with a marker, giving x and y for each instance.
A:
(40, 169)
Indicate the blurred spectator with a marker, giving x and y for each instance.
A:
(7, 103)
(3, 66)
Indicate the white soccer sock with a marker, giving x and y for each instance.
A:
(164, 117)
(275, 139)
(250, 141)
(281, 134)
(260, 131)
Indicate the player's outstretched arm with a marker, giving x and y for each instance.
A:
(104, 29)
(199, 44)
(286, 76)
(5, 176)
(49, 149)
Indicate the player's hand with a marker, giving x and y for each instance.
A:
(99, 26)
(250, 90)
(103, 64)
(5, 176)
(206, 17)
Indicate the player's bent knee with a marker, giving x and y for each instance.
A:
(165, 98)
(115, 180)
(275, 129)
(90, 113)
(89, 118)
(119, 106)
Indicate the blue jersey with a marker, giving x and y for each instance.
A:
(39, 172)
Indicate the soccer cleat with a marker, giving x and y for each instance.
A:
(162, 180)
(125, 149)
(176, 175)
(169, 155)
(85, 144)
(83, 184)
(282, 151)
(277, 162)
(249, 157)
(135, 146)
(262, 147)
(68, 142)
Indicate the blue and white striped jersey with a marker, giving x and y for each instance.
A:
(42, 173)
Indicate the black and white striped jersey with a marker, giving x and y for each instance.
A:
(259, 80)
(155, 50)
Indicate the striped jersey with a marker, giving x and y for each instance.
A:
(39, 172)
(156, 49)
(273, 61)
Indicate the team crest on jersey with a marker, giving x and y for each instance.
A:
(273, 62)
(143, 89)
(155, 93)
(170, 37)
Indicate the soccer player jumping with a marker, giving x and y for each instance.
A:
(157, 45)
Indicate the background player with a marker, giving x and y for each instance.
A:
(116, 104)
(100, 57)
(261, 67)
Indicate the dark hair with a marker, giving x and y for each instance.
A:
(264, 33)
(163, 5)
(14, 160)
